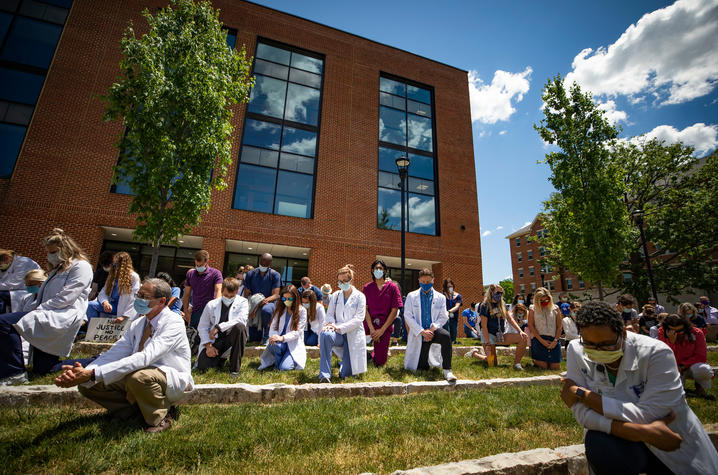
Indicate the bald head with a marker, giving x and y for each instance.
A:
(265, 260)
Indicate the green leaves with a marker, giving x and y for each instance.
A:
(177, 84)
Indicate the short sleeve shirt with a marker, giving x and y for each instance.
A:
(470, 317)
(450, 302)
(381, 302)
(263, 284)
(314, 289)
(494, 323)
(202, 286)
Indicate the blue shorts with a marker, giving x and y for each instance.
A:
(541, 353)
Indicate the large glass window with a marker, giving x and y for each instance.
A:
(291, 269)
(29, 32)
(406, 128)
(176, 261)
(281, 132)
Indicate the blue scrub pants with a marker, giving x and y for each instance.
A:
(329, 340)
(310, 338)
(266, 314)
(11, 360)
(283, 360)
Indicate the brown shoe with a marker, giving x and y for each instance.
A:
(164, 424)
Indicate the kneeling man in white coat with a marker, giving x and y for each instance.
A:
(147, 369)
(223, 328)
(425, 314)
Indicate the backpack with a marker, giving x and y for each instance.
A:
(193, 339)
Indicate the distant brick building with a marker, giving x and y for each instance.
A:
(313, 181)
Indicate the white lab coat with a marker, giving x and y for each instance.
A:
(52, 325)
(125, 305)
(569, 328)
(13, 280)
(167, 350)
(412, 318)
(293, 339)
(648, 387)
(349, 318)
(319, 317)
(213, 312)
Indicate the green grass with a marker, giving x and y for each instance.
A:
(349, 435)
(463, 368)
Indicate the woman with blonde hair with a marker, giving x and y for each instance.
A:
(56, 314)
(285, 347)
(117, 296)
(12, 279)
(495, 320)
(343, 328)
(545, 323)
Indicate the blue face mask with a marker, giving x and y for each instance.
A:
(33, 289)
(689, 315)
(498, 297)
(200, 269)
(142, 306)
(378, 273)
(426, 287)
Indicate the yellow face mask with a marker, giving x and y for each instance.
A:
(603, 357)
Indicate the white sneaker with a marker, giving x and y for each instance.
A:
(13, 380)
(469, 353)
(449, 376)
(518, 367)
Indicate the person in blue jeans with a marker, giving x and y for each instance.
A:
(470, 328)
(266, 281)
(453, 305)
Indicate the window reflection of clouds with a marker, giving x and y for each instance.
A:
(389, 202)
(420, 134)
(261, 134)
(306, 63)
(272, 53)
(302, 104)
(422, 214)
(392, 126)
(394, 87)
(267, 97)
(299, 141)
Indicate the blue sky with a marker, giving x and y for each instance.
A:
(653, 65)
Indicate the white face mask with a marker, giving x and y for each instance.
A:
(378, 273)
(450, 289)
(263, 269)
(305, 305)
(227, 300)
(200, 269)
(345, 285)
(54, 258)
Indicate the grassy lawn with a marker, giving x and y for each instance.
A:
(463, 368)
(350, 435)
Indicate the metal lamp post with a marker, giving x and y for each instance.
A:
(637, 216)
(402, 164)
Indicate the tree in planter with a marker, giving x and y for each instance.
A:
(678, 194)
(589, 226)
(173, 96)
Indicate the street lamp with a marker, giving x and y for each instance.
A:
(402, 164)
(637, 217)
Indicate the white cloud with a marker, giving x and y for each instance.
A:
(613, 115)
(670, 54)
(491, 103)
(503, 132)
(485, 233)
(499, 228)
(702, 137)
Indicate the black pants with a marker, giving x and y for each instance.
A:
(443, 338)
(235, 338)
(608, 454)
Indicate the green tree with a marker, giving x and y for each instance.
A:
(173, 96)
(678, 195)
(384, 222)
(588, 224)
(508, 286)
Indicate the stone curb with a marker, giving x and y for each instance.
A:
(242, 393)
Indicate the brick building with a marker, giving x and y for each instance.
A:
(528, 269)
(314, 180)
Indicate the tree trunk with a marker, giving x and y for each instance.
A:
(155, 257)
(600, 290)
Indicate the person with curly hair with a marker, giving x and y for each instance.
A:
(117, 296)
(625, 390)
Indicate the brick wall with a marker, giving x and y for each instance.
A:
(62, 177)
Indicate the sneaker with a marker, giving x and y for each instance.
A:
(469, 353)
(15, 380)
(518, 367)
(449, 376)
(234, 375)
(164, 424)
(324, 379)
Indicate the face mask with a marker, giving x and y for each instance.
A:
(497, 298)
(33, 289)
(378, 273)
(426, 287)
(4, 266)
(689, 315)
(603, 357)
(305, 305)
(520, 301)
(54, 258)
(227, 300)
(626, 310)
(200, 269)
(142, 306)
(345, 285)
(545, 304)
(240, 281)
(573, 314)
(107, 269)
(263, 269)
(520, 315)
(288, 303)
(451, 290)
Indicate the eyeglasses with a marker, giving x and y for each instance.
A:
(284, 299)
(591, 346)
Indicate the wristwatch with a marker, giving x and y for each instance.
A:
(580, 393)
(92, 375)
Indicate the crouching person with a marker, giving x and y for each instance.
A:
(147, 370)
(285, 348)
(223, 328)
(626, 391)
(425, 314)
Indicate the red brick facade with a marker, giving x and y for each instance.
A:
(62, 176)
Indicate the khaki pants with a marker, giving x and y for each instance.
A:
(147, 387)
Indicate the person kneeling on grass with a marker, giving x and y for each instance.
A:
(425, 314)
(223, 328)
(148, 369)
(625, 390)
(495, 321)
(285, 348)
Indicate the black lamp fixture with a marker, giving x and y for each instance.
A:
(402, 164)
